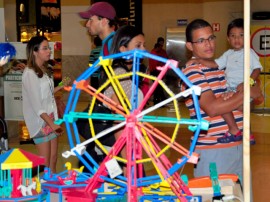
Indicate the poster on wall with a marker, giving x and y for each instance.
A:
(13, 97)
(51, 15)
(260, 43)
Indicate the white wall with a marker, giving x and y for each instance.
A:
(157, 17)
(2, 25)
(75, 38)
(222, 13)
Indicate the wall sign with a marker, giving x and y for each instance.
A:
(13, 97)
(260, 41)
(128, 12)
(216, 27)
(182, 22)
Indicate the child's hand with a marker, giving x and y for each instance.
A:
(65, 82)
(240, 87)
(227, 95)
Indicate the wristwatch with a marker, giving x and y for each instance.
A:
(252, 82)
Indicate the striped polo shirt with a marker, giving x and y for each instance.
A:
(210, 79)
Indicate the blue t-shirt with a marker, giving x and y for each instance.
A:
(107, 42)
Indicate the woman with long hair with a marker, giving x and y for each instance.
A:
(126, 38)
(39, 107)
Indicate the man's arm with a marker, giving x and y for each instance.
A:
(217, 106)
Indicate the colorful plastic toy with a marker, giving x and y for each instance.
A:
(214, 179)
(7, 51)
(140, 136)
(16, 183)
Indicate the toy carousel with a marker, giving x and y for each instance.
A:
(16, 182)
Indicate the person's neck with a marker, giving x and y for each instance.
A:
(105, 33)
(239, 49)
(40, 63)
(199, 58)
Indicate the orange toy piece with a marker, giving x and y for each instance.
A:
(203, 182)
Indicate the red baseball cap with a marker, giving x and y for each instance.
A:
(102, 9)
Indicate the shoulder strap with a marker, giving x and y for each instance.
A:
(106, 50)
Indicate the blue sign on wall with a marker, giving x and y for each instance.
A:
(182, 22)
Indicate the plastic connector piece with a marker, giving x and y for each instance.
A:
(197, 90)
(79, 149)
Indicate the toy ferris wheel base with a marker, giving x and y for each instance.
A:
(138, 136)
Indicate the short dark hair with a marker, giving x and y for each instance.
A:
(159, 39)
(157, 45)
(195, 24)
(239, 23)
(112, 22)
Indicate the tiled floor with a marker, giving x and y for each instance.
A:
(260, 153)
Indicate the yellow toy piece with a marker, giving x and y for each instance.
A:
(68, 165)
(12, 162)
(38, 185)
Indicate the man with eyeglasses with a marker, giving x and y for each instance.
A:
(200, 40)
(232, 62)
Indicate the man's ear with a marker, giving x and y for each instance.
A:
(122, 49)
(189, 46)
(105, 21)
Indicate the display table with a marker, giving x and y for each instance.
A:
(235, 191)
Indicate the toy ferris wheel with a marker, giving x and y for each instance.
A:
(143, 142)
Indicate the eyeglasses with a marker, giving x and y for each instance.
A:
(203, 41)
(45, 48)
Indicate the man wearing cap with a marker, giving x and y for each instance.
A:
(101, 22)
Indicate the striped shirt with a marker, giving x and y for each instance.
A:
(210, 79)
(94, 54)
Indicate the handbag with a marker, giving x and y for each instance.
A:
(99, 125)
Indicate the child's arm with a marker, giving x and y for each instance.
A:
(255, 73)
(65, 82)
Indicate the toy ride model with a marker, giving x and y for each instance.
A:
(16, 183)
(142, 141)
